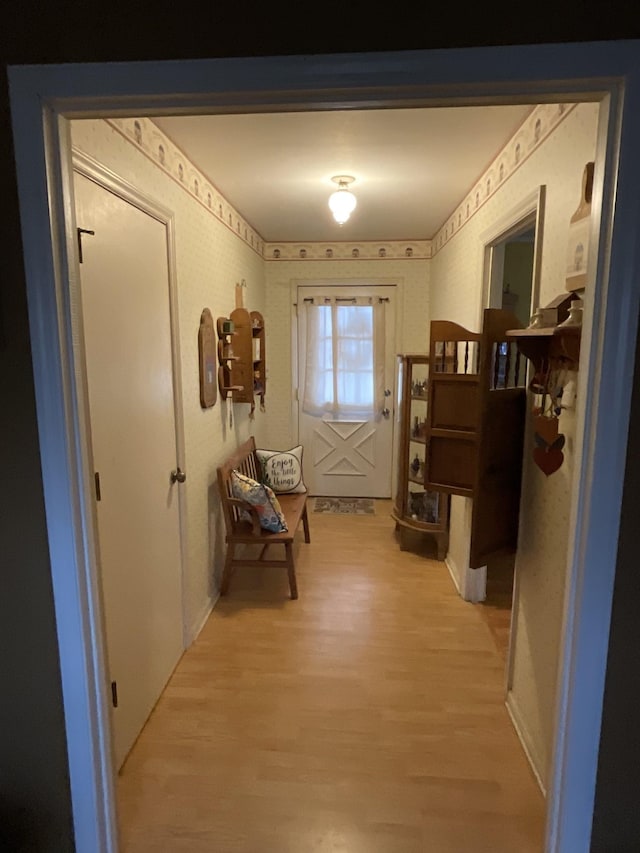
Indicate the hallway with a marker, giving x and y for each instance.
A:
(367, 717)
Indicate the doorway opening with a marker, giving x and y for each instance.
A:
(362, 449)
(512, 271)
(517, 274)
(45, 308)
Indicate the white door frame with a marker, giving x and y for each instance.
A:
(531, 209)
(44, 97)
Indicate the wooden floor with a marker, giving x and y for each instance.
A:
(496, 608)
(366, 717)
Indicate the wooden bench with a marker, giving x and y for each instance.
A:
(244, 533)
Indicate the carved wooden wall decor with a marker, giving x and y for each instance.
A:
(207, 360)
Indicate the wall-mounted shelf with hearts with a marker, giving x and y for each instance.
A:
(552, 351)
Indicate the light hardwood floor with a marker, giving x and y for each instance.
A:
(366, 717)
(496, 608)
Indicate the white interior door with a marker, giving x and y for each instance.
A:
(127, 330)
(348, 455)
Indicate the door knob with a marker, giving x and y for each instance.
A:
(178, 476)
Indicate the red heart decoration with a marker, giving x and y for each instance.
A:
(548, 461)
(546, 428)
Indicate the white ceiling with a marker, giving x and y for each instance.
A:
(412, 166)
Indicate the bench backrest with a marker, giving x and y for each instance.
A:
(244, 460)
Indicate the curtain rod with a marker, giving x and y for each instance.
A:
(311, 300)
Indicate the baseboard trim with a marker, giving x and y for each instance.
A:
(472, 586)
(452, 571)
(475, 586)
(199, 623)
(524, 738)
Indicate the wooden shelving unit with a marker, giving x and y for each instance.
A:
(259, 360)
(226, 357)
(242, 357)
(416, 509)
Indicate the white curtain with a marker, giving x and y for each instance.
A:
(344, 373)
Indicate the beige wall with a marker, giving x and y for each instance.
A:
(412, 319)
(456, 293)
(211, 258)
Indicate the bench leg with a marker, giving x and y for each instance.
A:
(226, 572)
(291, 569)
(305, 524)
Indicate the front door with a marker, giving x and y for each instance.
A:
(346, 346)
(127, 334)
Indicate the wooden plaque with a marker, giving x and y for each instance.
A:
(207, 360)
(579, 232)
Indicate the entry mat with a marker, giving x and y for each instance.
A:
(345, 506)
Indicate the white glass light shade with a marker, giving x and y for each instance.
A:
(342, 204)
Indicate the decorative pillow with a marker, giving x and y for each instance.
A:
(282, 470)
(262, 498)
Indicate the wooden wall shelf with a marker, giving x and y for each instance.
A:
(226, 357)
(554, 344)
(242, 366)
(259, 356)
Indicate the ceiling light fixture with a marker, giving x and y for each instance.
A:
(342, 202)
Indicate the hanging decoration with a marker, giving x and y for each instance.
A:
(242, 373)
(207, 360)
(549, 441)
(578, 238)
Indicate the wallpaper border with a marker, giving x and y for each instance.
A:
(543, 120)
(145, 135)
(357, 250)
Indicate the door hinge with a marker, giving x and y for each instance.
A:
(98, 493)
(114, 694)
(82, 231)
